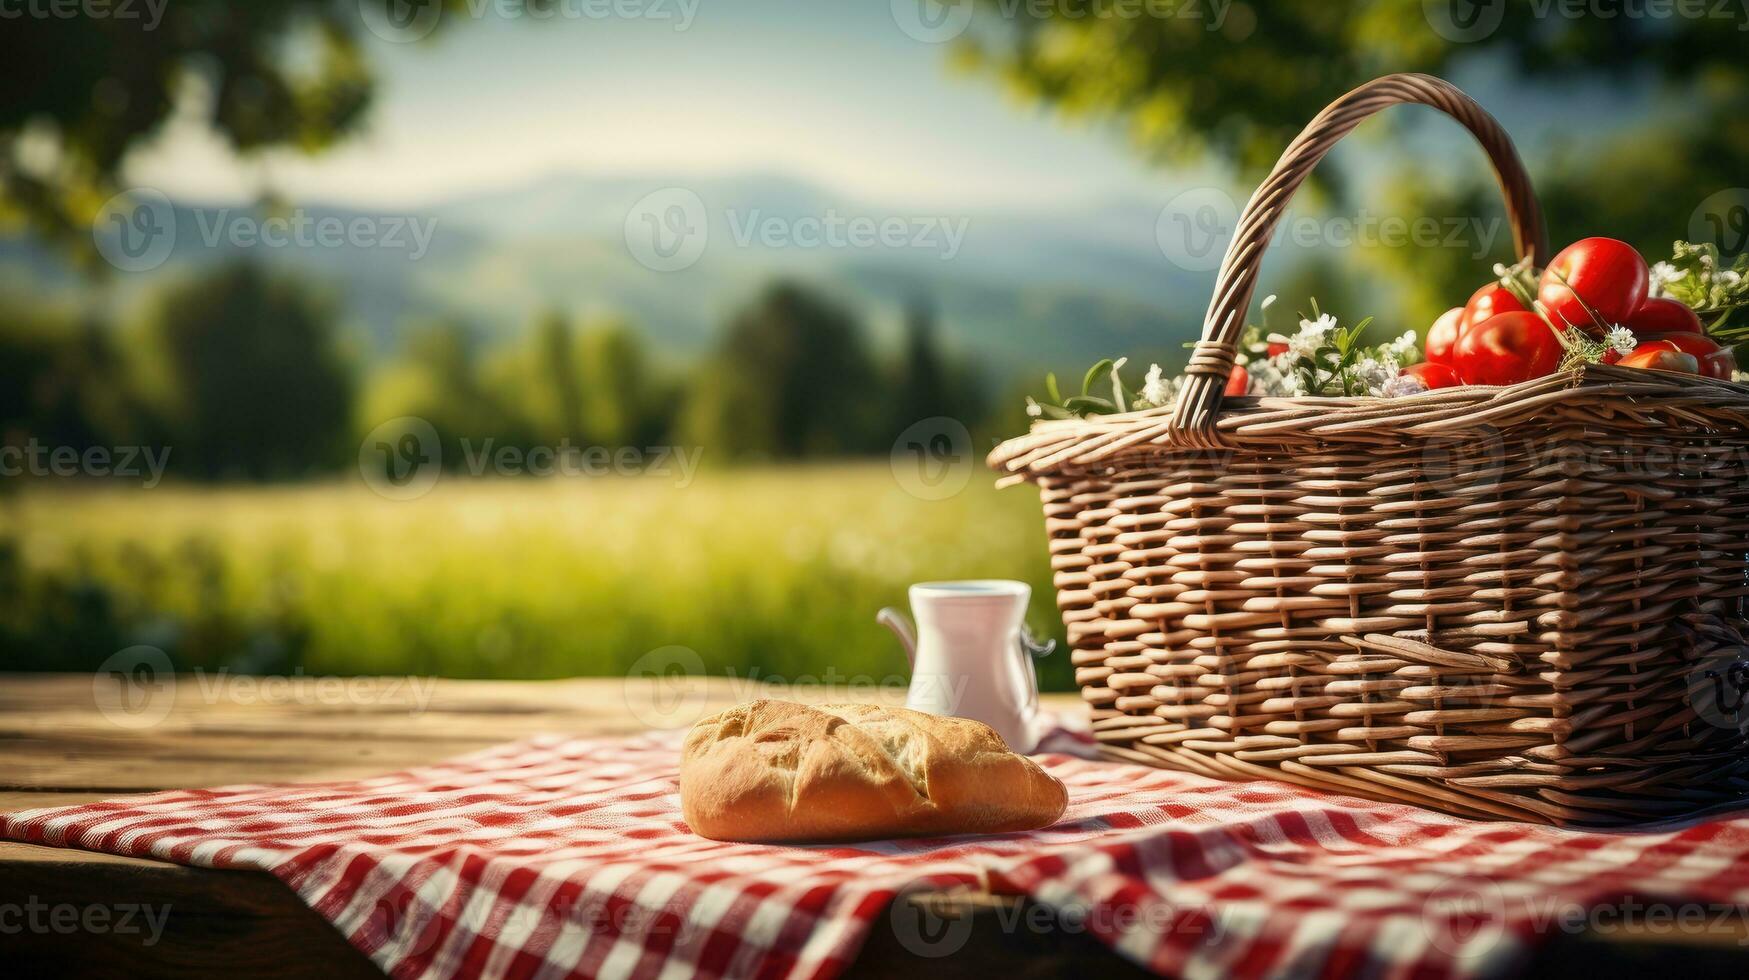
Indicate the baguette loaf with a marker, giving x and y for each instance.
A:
(771, 771)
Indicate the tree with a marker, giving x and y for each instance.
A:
(791, 379)
(62, 381)
(922, 388)
(1235, 91)
(437, 376)
(82, 91)
(622, 405)
(246, 375)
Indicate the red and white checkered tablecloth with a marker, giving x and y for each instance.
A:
(558, 856)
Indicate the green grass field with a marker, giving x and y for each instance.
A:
(773, 572)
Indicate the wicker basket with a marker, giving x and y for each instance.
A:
(1522, 602)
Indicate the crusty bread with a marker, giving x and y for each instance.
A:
(773, 771)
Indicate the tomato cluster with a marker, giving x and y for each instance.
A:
(1594, 284)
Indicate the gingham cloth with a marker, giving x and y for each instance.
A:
(558, 856)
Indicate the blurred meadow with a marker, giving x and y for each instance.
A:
(522, 339)
(767, 573)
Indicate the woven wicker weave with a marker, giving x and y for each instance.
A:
(1522, 602)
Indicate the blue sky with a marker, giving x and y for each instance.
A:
(829, 90)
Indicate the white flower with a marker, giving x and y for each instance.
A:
(1729, 277)
(1269, 301)
(1312, 335)
(1374, 373)
(1033, 409)
(1620, 339)
(1402, 386)
(1663, 274)
(1157, 389)
(1402, 347)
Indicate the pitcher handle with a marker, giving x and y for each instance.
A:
(902, 628)
(1029, 648)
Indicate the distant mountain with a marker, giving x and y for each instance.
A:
(1056, 284)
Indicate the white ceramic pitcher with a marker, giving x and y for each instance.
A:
(971, 655)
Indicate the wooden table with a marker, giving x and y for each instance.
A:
(74, 738)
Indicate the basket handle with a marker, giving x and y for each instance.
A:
(1199, 404)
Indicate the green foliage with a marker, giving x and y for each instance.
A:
(1235, 90)
(62, 380)
(764, 572)
(245, 375)
(83, 91)
(1719, 292)
(791, 379)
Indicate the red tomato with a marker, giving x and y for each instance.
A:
(1506, 349)
(1486, 303)
(1433, 375)
(1276, 350)
(1661, 316)
(1609, 276)
(1442, 335)
(1656, 356)
(1715, 361)
(1239, 381)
